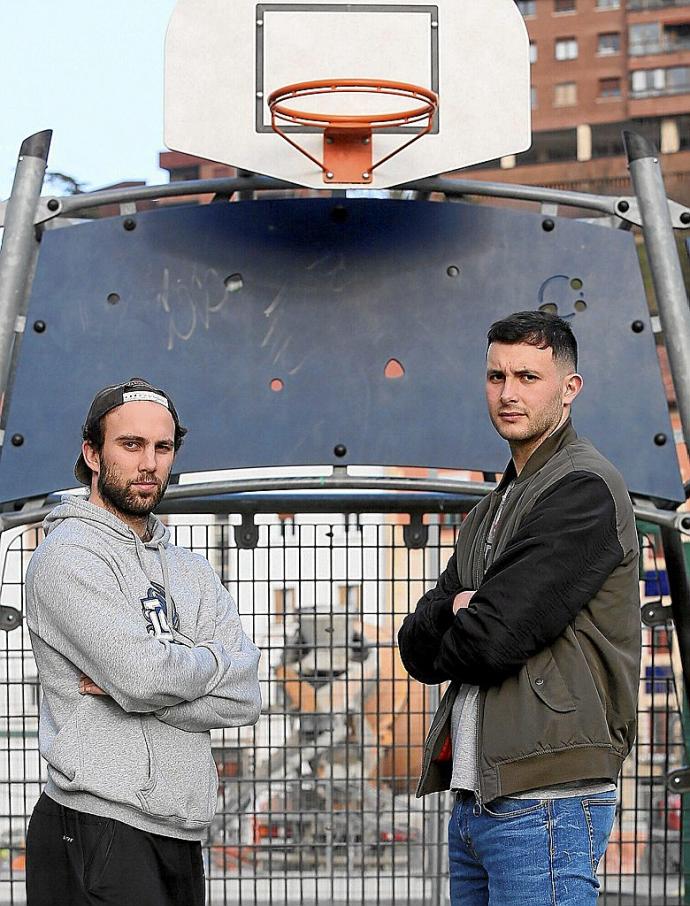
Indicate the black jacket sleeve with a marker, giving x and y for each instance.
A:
(420, 636)
(561, 555)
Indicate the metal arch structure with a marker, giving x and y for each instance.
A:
(272, 322)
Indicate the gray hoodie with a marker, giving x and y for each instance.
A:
(151, 624)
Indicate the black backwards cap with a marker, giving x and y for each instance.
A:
(132, 391)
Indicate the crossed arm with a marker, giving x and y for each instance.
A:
(76, 605)
(559, 558)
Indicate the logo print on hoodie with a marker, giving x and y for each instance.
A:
(155, 610)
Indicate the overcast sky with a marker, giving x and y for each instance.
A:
(92, 71)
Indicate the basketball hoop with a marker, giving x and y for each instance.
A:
(347, 145)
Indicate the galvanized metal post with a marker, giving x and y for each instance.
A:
(669, 287)
(18, 253)
(435, 888)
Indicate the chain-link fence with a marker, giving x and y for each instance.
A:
(316, 802)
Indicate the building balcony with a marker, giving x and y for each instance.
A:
(665, 45)
(658, 92)
(655, 4)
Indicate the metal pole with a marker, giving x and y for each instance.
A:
(18, 251)
(435, 817)
(669, 287)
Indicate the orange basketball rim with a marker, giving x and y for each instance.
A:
(347, 140)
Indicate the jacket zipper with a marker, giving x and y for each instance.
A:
(479, 558)
(478, 799)
(491, 516)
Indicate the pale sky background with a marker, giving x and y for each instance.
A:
(92, 71)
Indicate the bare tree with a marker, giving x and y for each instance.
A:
(64, 184)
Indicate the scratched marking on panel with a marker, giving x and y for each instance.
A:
(327, 274)
(190, 302)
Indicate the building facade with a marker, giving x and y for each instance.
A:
(599, 67)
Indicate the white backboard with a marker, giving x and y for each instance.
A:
(225, 57)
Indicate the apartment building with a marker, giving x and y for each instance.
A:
(598, 67)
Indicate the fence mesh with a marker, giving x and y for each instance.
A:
(317, 801)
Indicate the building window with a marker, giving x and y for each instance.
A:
(683, 123)
(547, 147)
(565, 94)
(533, 98)
(182, 174)
(609, 42)
(350, 598)
(659, 679)
(637, 5)
(650, 82)
(606, 139)
(566, 48)
(283, 603)
(564, 6)
(533, 53)
(644, 38)
(608, 4)
(678, 78)
(528, 8)
(610, 88)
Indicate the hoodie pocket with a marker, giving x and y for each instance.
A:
(183, 783)
(101, 750)
(137, 761)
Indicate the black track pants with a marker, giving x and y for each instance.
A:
(75, 859)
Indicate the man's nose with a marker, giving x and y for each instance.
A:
(147, 461)
(509, 391)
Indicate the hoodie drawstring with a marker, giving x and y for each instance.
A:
(172, 614)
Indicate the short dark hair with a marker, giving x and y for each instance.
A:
(538, 328)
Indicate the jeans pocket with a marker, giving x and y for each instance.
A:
(599, 815)
(506, 807)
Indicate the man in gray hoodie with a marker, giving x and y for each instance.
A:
(140, 653)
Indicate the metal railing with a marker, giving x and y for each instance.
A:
(659, 92)
(655, 4)
(665, 45)
(317, 802)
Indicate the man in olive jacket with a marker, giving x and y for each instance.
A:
(536, 624)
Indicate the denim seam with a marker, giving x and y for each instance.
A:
(518, 813)
(456, 815)
(590, 826)
(549, 827)
(590, 832)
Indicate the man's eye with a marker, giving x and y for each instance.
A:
(530, 378)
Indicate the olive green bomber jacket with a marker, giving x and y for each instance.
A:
(552, 635)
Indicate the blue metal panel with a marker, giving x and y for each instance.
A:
(216, 302)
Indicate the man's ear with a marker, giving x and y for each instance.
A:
(571, 387)
(91, 457)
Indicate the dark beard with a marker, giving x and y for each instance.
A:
(122, 498)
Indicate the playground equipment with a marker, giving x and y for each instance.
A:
(345, 329)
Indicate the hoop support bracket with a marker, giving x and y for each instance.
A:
(347, 140)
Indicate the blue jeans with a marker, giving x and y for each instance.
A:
(532, 852)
